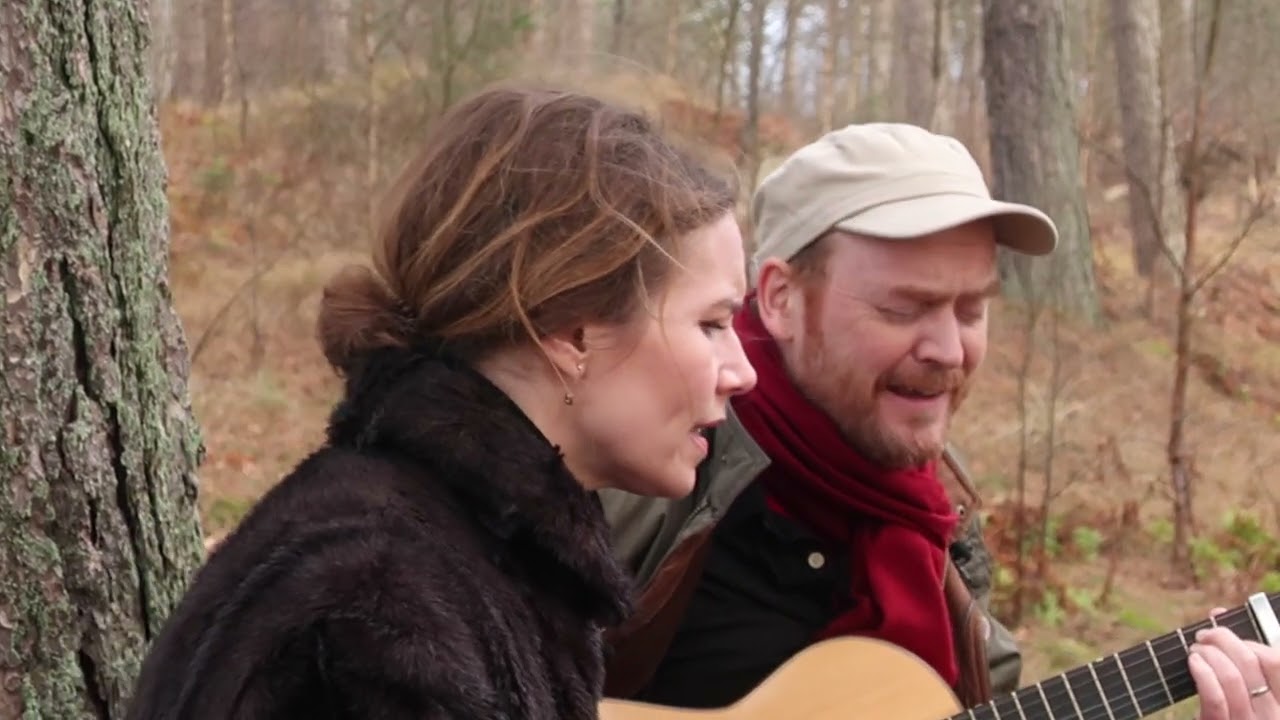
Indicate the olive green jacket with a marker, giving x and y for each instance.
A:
(661, 542)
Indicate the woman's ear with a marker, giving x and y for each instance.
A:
(567, 350)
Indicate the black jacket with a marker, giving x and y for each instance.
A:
(435, 560)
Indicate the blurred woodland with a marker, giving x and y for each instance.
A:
(1129, 415)
(1126, 425)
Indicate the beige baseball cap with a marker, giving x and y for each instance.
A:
(884, 180)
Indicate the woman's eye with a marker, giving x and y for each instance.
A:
(713, 326)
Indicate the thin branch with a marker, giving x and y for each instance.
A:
(1256, 213)
(1144, 190)
(231, 301)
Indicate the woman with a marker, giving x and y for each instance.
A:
(548, 313)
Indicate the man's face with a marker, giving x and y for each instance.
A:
(884, 340)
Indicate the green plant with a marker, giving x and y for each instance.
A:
(1087, 541)
(1160, 530)
(1050, 610)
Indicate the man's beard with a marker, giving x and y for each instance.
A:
(850, 402)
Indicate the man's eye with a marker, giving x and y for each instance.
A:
(898, 314)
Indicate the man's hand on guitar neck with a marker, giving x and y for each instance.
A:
(1236, 679)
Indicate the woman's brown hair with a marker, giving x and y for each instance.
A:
(529, 210)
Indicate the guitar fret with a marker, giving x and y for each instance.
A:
(981, 712)
(1142, 679)
(1086, 693)
(1071, 694)
(1007, 706)
(1044, 700)
(1128, 686)
(1164, 683)
(1146, 678)
(1102, 692)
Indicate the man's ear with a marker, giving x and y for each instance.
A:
(779, 299)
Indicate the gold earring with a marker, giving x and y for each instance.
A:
(568, 394)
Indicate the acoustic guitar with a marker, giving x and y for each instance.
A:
(850, 677)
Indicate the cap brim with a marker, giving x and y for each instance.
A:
(1018, 227)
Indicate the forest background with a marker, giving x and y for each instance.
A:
(284, 120)
(1123, 431)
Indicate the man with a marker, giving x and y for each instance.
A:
(830, 503)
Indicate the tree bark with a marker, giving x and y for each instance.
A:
(830, 63)
(911, 72)
(189, 63)
(877, 40)
(163, 48)
(1035, 150)
(750, 140)
(1150, 168)
(787, 71)
(98, 446)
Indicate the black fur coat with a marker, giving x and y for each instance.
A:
(435, 560)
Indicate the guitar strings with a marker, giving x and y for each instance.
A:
(1177, 682)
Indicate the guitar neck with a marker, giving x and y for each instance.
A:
(1130, 684)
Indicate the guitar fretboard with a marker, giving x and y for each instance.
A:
(1131, 684)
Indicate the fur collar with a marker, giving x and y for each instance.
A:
(476, 440)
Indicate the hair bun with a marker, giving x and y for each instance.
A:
(358, 315)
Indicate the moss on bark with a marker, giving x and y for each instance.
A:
(98, 446)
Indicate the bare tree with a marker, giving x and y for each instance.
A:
(787, 71)
(1150, 168)
(1191, 280)
(98, 446)
(830, 64)
(751, 129)
(911, 74)
(1034, 146)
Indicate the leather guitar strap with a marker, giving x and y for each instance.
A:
(969, 630)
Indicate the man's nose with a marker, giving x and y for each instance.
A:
(941, 343)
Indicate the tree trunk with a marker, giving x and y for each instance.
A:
(876, 48)
(1177, 42)
(671, 37)
(98, 446)
(535, 37)
(974, 133)
(729, 40)
(830, 63)
(1035, 150)
(911, 73)
(618, 37)
(335, 38)
(941, 110)
(787, 82)
(212, 87)
(750, 140)
(1148, 150)
(162, 53)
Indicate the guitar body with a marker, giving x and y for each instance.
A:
(847, 678)
(852, 678)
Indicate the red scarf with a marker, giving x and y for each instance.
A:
(895, 524)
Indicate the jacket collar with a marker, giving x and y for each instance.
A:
(732, 465)
(477, 441)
